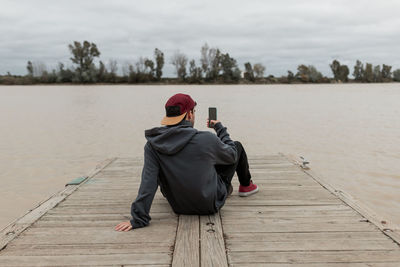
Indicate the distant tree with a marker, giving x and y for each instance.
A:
(303, 73)
(112, 71)
(215, 57)
(248, 72)
(64, 75)
(49, 77)
(150, 68)
(39, 69)
(101, 72)
(210, 62)
(335, 67)
(29, 67)
(308, 74)
(159, 58)
(132, 74)
(344, 73)
(126, 66)
(179, 60)
(290, 77)
(386, 72)
(340, 72)
(112, 66)
(140, 66)
(204, 59)
(315, 75)
(368, 73)
(358, 72)
(83, 56)
(377, 74)
(259, 70)
(142, 71)
(229, 68)
(396, 75)
(195, 73)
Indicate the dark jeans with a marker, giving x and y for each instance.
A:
(241, 166)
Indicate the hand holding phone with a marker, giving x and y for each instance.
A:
(212, 117)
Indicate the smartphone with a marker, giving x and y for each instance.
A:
(212, 115)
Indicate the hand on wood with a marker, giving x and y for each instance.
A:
(123, 227)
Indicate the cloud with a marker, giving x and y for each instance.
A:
(280, 34)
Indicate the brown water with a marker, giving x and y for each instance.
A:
(52, 134)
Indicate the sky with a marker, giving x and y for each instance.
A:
(278, 34)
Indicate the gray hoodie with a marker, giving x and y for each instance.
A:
(181, 160)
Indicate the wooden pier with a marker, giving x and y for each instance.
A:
(295, 220)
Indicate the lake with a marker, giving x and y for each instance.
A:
(349, 132)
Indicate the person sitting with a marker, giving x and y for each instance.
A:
(194, 169)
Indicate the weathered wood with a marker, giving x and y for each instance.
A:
(283, 208)
(283, 220)
(87, 249)
(212, 245)
(290, 215)
(320, 257)
(94, 224)
(18, 226)
(87, 260)
(291, 221)
(187, 247)
(308, 236)
(306, 245)
(387, 227)
(343, 264)
(257, 227)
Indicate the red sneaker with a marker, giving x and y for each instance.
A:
(245, 191)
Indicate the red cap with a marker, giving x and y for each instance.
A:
(176, 108)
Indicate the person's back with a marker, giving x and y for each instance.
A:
(187, 157)
(193, 168)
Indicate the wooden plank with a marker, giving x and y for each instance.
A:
(96, 224)
(87, 260)
(285, 202)
(307, 245)
(19, 225)
(320, 257)
(283, 208)
(87, 249)
(343, 264)
(311, 214)
(187, 247)
(307, 236)
(255, 227)
(212, 245)
(104, 217)
(95, 236)
(100, 209)
(386, 227)
(267, 220)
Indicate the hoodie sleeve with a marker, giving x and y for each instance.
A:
(225, 148)
(148, 187)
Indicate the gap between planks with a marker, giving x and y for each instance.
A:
(199, 241)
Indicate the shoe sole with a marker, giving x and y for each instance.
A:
(246, 194)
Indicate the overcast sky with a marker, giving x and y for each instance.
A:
(279, 34)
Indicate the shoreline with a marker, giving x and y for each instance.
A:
(191, 84)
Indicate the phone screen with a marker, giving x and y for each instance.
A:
(212, 113)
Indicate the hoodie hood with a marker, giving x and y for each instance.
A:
(170, 139)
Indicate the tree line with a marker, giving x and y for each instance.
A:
(214, 66)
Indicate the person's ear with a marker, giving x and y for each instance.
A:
(187, 117)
